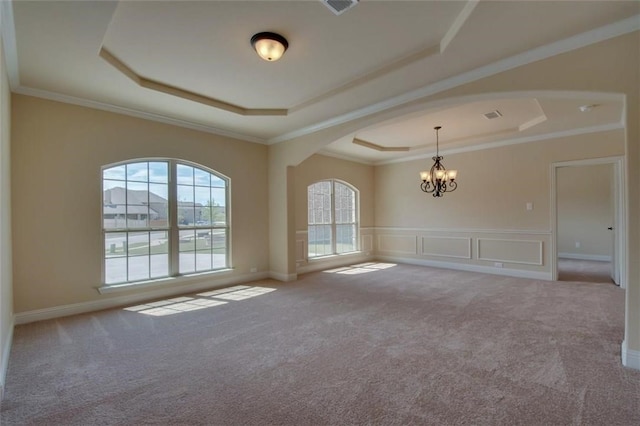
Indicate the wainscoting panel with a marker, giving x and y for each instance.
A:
(301, 255)
(526, 252)
(513, 252)
(458, 247)
(366, 243)
(400, 244)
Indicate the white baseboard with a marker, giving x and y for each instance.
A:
(4, 362)
(630, 358)
(282, 277)
(97, 305)
(579, 256)
(334, 262)
(519, 273)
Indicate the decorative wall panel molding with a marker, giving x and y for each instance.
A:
(405, 244)
(526, 252)
(458, 247)
(301, 256)
(366, 243)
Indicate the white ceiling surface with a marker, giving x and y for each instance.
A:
(335, 65)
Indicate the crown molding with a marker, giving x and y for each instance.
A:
(616, 29)
(8, 32)
(344, 157)
(516, 141)
(587, 38)
(458, 23)
(368, 76)
(157, 86)
(52, 96)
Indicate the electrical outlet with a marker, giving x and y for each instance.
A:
(577, 244)
(498, 264)
(253, 269)
(529, 206)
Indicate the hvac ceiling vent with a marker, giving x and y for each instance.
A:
(493, 114)
(340, 6)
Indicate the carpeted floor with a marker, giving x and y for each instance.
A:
(375, 344)
(592, 271)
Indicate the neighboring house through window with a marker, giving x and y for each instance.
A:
(163, 218)
(332, 218)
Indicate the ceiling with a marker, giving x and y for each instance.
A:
(191, 64)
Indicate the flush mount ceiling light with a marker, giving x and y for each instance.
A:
(438, 180)
(269, 46)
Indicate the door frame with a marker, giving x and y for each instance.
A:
(620, 211)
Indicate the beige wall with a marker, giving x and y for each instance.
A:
(57, 152)
(585, 210)
(6, 284)
(485, 222)
(494, 185)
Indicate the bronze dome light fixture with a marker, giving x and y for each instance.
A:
(269, 46)
(438, 180)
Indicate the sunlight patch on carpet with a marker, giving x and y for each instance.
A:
(204, 300)
(361, 268)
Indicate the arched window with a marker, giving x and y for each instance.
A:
(332, 218)
(163, 218)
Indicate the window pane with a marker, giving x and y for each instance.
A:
(202, 206)
(117, 172)
(159, 242)
(159, 265)
(319, 240)
(345, 238)
(218, 211)
(184, 174)
(138, 243)
(115, 244)
(217, 182)
(137, 172)
(186, 208)
(187, 251)
(115, 270)
(218, 243)
(109, 184)
(138, 261)
(159, 172)
(202, 178)
(203, 259)
(138, 268)
(187, 262)
(114, 216)
(159, 249)
(158, 205)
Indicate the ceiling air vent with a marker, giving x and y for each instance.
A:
(493, 114)
(339, 6)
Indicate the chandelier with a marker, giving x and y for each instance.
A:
(438, 180)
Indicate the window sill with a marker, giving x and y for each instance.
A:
(333, 256)
(161, 282)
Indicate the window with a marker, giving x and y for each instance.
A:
(332, 211)
(163, 218)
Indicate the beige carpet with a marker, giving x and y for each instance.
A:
(592, 271)
(376, 344)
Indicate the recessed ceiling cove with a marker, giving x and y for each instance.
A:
(200, 51)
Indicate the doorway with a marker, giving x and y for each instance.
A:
(588, 221)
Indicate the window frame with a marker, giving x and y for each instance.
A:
(334, 222)
(172, 227)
